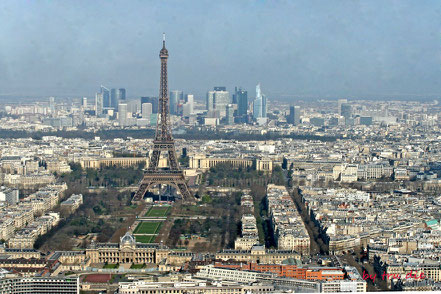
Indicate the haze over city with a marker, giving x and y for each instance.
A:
(220, 147)
(295, 49)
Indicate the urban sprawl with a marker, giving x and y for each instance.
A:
(314, 197)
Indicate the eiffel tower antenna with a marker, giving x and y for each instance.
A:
(163, 142)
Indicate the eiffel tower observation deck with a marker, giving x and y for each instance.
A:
(163, 142)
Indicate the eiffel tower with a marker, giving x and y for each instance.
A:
(173, 175)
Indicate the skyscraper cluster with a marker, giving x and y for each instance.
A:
(235, 110)
(138, 112)
(220, 106)
(181, 104)
(106, 100)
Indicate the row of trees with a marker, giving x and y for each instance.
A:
(190, 134)
(106, 176)
(263, 221)
(98, 214)
(102, 212)
(225, 175)
(220, 225)
(318, 238)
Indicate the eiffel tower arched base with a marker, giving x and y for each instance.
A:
(175, 179)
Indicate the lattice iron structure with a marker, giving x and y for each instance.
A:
(164, 142)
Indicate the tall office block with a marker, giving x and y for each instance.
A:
(260, 104)
(99, 104)
(106, 96)
(290, 116)
(189, 99)
(235, 100)
(122, 114)
(84, 103)
(133, 106)
(218, 100)
(146, 110)
(346, 110)
(257, 108)
(52, 104)
(264, 106)
(186, 111)
(153, 101)
(339, 103)
(209, 102)
(175, 97)
(113, 98)
(121, 94)
(230, 114)
(221, 100)
(242, 102)
(294, 115)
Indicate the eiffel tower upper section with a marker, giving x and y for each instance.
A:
(163, 130)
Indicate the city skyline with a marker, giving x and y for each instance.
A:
(344, 49)
(276, 147)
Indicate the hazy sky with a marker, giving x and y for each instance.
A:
(324, 48)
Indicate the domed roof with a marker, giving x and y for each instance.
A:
(127, 239)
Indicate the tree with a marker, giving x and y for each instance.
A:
(206, 199)
(285, 163)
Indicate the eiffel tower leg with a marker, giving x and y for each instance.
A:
(139, 195)
(154, 160)
(183, 189)
(172, 159)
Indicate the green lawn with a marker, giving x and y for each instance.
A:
(111, 265)
(145, 238)
(147, 228)
(158, 211)
(137, 266)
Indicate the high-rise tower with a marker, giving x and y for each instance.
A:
(175, 97)
(113, 98)
(99, 104)
(259, 105)
(121, 94)
(163, 142)
(153, 101)
(242, 102)
(217, 101)
(106, 96)
(294, 115)
(339, 104)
